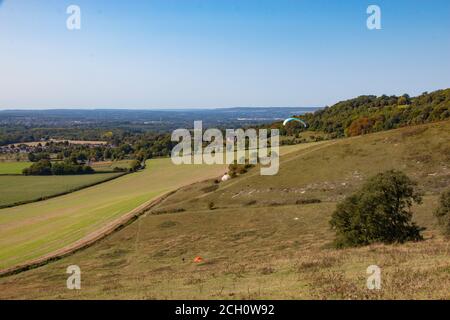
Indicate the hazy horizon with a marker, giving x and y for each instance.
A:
(153, 109)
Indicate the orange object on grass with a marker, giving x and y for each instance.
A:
(198, 259)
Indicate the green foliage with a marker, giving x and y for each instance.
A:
(46, 168)
(35, 157)
(443, 211)
(367, 114)
(41, 168)
(135, 165)
(379, 212)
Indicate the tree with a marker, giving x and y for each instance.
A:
(379, 212)
(443, 211)
(41, 168)
(82, 157)
(360, 126)
(31, 157)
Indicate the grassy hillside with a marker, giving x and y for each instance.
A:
(259, 241)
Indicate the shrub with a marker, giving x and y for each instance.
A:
(379, 212)
(88, 170)
(135, 165)
(35, 157)
(241, 170)
(211, 188)
(42, 168)
(250, 203)
(308, 201)
(234, 168)
(119, 169)
(443, 211)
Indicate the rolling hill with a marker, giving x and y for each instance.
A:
(266, 237)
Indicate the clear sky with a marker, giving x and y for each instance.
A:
(218, 53)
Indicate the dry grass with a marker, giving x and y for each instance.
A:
(256, 254)
(253, 250)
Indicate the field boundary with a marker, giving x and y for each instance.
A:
(90, 239)
(20, 203)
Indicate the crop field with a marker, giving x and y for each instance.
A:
(23, 189)
(257, 237)
(13, 167)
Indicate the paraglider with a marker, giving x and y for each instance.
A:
(295, 119)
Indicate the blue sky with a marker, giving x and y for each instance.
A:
(218, 53)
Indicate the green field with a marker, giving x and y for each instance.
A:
(257, 243)
(22, 189)
(12, 167)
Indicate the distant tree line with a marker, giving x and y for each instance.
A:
(140, 146)
(45, 167)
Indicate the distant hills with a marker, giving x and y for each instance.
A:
(158, 120)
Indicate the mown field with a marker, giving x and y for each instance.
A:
(17, 189)
(13, 167)
(259, 242)
(22, 189)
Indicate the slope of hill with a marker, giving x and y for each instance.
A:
(259, 237)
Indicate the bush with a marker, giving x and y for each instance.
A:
(443, 211)
(35, 157)
(308, 201)
(135, 165)
(41, 168)
(234, 168)
(379, 212)
(211, 188)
